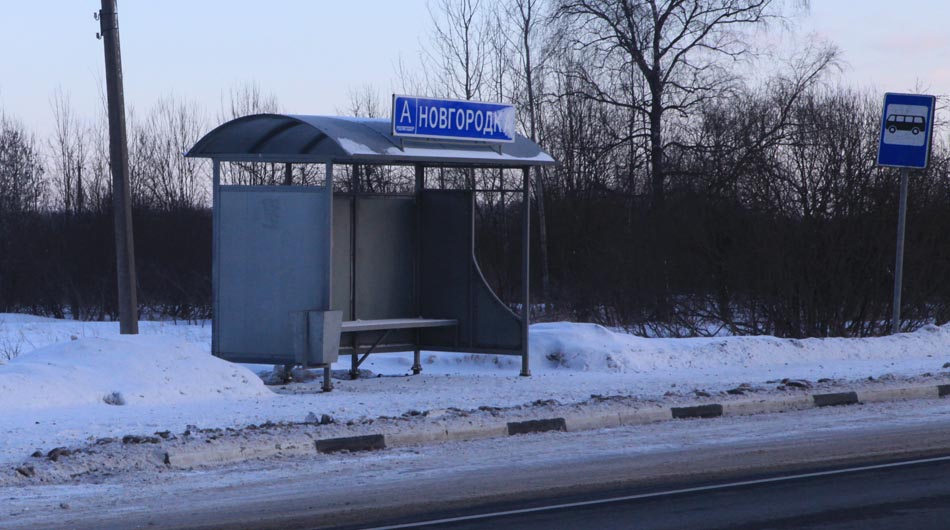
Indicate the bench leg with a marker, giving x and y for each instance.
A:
(357, 360)
(355, 365)
(327, 383)
(416, 362)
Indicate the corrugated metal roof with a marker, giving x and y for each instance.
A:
(342, 140)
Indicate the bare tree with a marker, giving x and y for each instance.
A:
(139, 147)
(22, 185)
(675, 45)
(171, 180)
(247, 98)
(243, 100)
(69, 149)
(408, 80)
(97, 180)
(528, 21)
(22, 198)
(365, 102)
(457, 61)
(457, 57)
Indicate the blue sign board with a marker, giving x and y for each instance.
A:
(906, 129)
(452, 119)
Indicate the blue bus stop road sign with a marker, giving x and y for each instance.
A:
(452, 119)
(906, 130)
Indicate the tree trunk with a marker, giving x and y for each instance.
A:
(538, 179)
(658, 210)
(658, 180)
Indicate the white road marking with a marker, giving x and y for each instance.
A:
(697, 489)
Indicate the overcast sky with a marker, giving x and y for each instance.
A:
(309, 54)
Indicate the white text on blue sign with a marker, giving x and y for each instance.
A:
(450, 119)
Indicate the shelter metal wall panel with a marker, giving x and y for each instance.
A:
(451, 284)
(445, 234)
(384, 257)
(496, 327)
(342, 255)
(272, 261)
(374, 264)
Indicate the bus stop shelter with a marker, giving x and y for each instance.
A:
(301, 274)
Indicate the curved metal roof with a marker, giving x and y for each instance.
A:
(341, 140)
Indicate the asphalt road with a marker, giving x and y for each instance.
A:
(908, 494)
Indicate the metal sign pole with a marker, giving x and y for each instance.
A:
(525, 270)
(907, 123)
(899, 263)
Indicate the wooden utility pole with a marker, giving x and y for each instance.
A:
(119, 161)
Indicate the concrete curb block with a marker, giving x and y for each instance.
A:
(418, 436)
(899, 394)
(228, 451)
(220, 455)
(583, 422)
(369, 442)
(645, 415)
(836, 399)
(764, 406)
(536, 426)
(477, 433)
(712, 410)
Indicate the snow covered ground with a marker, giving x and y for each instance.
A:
(73, 382)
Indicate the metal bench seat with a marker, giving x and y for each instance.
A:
(386, 326)
(355, 326)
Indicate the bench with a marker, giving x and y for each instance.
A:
(386, 326)
(317, 338)
(355, 326)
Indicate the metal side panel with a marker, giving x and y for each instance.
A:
(384, 262)
(342, 255)
(452, 285)
(273, 261)
(446, 220)
(495, 325)
(385, 236)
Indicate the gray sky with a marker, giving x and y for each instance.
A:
(888, 44)
(309, 54)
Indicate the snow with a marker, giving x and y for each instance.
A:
(358, 482)
(53, 392)
(589, 347)
(353, 147)
(137, 370)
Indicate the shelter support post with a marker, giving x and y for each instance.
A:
(417, 356)
(525, 268)
(328, 302)
(216, 222)
(354, 191)
(417, 243)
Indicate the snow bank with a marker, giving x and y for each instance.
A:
(133, 370)
(53, 393)
(19, 318)
(589, 347)
(25, 333)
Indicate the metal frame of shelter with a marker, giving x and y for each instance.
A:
(301, 274)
